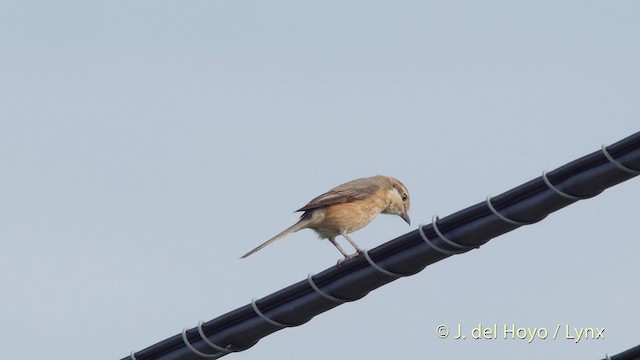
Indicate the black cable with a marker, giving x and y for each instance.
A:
(631, 354)
(406, 255)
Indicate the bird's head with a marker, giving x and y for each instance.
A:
(399, 200)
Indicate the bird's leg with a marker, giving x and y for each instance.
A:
(333, 241)
(355, 246)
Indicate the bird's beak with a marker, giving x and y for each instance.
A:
(406, 218)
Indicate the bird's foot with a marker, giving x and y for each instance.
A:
(349, 257)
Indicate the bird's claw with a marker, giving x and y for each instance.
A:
(349, 257)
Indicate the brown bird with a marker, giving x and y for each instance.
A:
(349, 207)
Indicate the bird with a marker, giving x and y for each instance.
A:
(347, 208)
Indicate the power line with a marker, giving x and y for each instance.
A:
(406, 255)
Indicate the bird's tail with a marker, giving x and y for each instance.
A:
(293, 228)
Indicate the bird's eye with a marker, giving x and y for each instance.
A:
(404, 197)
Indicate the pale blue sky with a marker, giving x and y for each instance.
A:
(146, 145)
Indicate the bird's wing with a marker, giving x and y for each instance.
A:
(354, 190)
